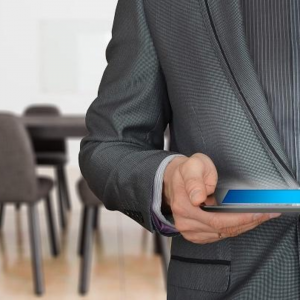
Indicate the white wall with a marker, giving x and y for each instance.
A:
(53, 51)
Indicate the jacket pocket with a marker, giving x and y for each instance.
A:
(199, 274)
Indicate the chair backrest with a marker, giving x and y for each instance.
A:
(18, 181)
(39, 110)
(46, 145)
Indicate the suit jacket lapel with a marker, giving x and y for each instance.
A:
(224, 22)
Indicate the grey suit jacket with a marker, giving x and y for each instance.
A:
(186, 64)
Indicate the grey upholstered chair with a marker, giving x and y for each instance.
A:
(52, 153)
(89, 221)
(20, 185)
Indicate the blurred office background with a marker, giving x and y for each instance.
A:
(52, 52)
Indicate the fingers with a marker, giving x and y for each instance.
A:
(210, 235)
(235, 231)
(224, 220)
(185, 225)
(218, 222)
(201, 238)
(189, 220)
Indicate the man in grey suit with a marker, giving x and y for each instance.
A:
(224, 76)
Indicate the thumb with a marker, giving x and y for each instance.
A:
(198, 193)
(193, 172)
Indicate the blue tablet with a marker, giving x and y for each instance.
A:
(243, 200)
(262, 197)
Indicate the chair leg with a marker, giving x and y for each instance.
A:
(62, 181)
(51, 227)
(60, 199)
(86, 259)
(2, 210)
(36, 249)
(81, 240)
(165, 255)
(96, 217)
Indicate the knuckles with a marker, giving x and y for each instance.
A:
(196, 240)
(192, 239)
(216, 223)
(232, 231)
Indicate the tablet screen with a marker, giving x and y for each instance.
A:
(262, 197)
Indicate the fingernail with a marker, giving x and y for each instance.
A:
(274, 215)
(257, 216)
(193, 194)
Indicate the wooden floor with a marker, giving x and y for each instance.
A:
(123, 267)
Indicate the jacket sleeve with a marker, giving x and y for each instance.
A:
(126, 122)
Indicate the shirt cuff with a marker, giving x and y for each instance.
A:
(161, 223)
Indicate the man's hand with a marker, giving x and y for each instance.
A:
(188, 181)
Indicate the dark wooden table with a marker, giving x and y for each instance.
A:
(64, 126)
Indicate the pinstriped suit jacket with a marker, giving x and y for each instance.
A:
(186, 64)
